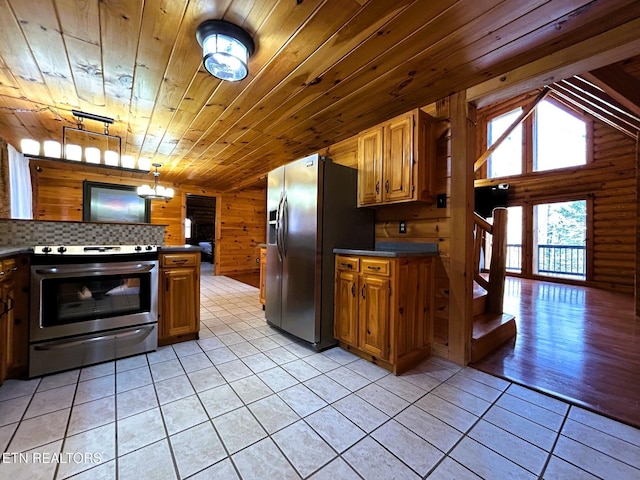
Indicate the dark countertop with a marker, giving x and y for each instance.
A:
(11, 251)
(394, 250)
(179, 248)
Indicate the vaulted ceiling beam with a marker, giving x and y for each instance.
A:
(618, 84)
(612, 46)
(565, 93)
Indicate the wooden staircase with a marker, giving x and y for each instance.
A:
(491, 326)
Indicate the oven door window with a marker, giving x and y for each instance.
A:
(78, 299)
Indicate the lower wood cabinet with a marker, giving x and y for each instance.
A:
(263, 276)
(179, 297)
(384, 309)
(14, 313)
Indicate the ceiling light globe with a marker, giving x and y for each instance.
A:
(226, 49)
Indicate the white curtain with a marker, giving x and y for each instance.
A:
(20, 185)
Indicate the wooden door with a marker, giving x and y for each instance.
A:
(345, 326)
(370, 167)
(374, 315)
(398, 160)
(178, 302)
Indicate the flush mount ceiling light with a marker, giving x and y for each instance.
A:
(157, 192)
(226, 48)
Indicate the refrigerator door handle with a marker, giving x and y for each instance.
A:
(285, 224)
(279, 226)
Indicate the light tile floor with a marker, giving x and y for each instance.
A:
(246, 401)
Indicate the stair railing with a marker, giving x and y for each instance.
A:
(494, 282)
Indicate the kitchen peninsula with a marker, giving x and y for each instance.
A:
(384, 303)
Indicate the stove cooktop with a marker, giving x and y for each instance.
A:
(93, 249)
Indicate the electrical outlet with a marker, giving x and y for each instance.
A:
(402, 226)
(441, 200)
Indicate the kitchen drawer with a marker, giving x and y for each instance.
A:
(376, 266)
(7, 268)
(349, 264)
(178, 259)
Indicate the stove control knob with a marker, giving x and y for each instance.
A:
(149, 247)
(62, 249)
(138, 248)
(46, 249)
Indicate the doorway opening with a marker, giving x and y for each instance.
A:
(200, 225)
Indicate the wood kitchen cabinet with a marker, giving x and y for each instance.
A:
(14, 312)
(396, 160)
(263, 276)
(179, 297)
(383, 309)
(345, 320)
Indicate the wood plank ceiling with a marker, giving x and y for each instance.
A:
(323, 70)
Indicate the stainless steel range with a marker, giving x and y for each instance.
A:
(90, 304)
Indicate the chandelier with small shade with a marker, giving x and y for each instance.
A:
(157, 192)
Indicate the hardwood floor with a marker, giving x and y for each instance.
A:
(252, 278)
(580, 344)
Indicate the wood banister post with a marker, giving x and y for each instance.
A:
(498, 267)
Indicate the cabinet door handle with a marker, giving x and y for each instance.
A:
(377, 187)
(353, 290)
(386, 186)
(373, 268)
(363, 287)
(181, 261)
(347, 265)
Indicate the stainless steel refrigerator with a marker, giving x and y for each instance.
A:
(311, 209)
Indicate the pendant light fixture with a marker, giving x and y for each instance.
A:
(226, 48)
(157, 192)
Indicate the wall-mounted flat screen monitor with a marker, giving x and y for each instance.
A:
(490, 197)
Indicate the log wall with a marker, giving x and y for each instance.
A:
(57, 195)
(608, 183)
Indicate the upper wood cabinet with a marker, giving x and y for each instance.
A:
(396, 160)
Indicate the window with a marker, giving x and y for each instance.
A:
(187, 228)
(514, 239)
(507, 158)
(552, 137)
(560, 138)
(560, 231)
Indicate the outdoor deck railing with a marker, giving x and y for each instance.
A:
(552, 259)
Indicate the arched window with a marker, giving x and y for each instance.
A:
(560, 138)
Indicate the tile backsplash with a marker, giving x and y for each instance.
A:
(19, 233)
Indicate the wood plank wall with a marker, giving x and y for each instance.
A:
(57, 195)
(5, 193)
(425, 223)
(242, 228)
(609, 185)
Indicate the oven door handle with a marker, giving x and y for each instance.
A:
(147, 329)
(112, 269)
